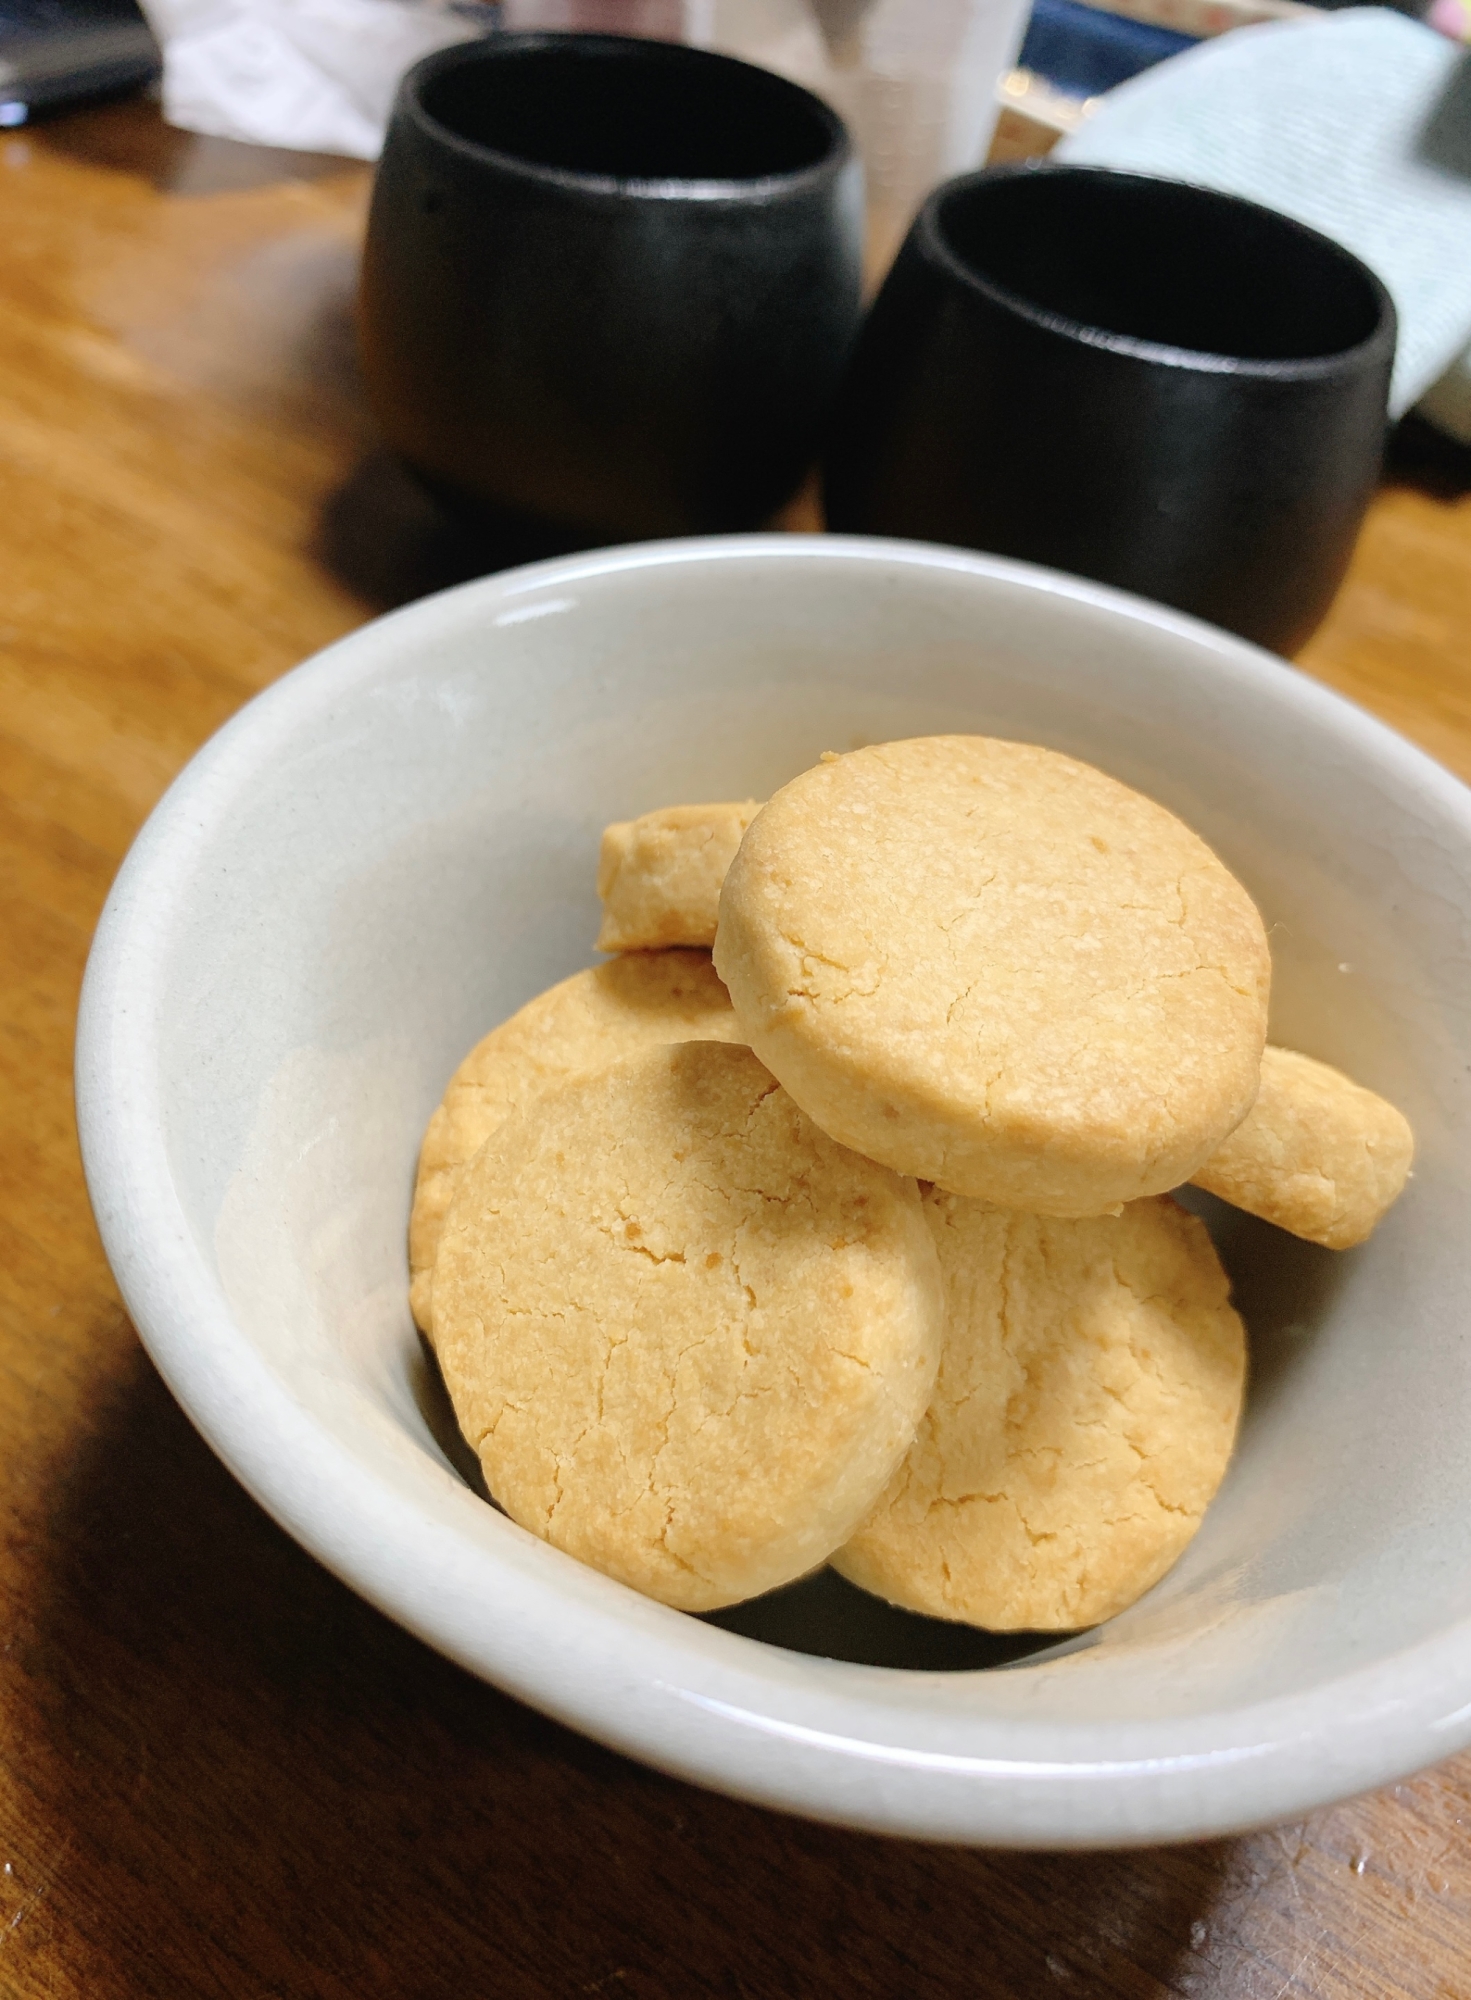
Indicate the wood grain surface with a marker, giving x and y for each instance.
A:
(221, 1774)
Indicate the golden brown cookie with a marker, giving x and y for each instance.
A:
(689, 1336)
(1089, 1389)
(1317, 1153)
(588, 1020)
(993, 967)
(659, 876)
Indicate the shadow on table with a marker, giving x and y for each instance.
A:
(130, 136)
(1419, 455)
(385, 536)
(390, 540)
(284, 1793)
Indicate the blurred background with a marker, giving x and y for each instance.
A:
(926, 86)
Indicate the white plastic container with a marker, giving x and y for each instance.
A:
(916, 81)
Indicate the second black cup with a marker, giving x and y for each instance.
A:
(1155, 385)
(609, 285)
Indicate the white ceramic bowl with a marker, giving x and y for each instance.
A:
(394, 847)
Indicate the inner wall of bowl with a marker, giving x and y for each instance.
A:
(1179, 266)
(406, 869)
(628, 110)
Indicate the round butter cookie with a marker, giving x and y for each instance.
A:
(689, 1335)
(1089, 1390)
(1317, 1154)
(593, 1018)
(993, 967)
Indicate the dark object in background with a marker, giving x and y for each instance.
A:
(58, 52)
(609, 285)
(1169, 389)
(1083, 51)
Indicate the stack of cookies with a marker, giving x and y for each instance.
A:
(854, 1244)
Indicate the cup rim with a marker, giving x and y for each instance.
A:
(508, 45)
(1378, 344)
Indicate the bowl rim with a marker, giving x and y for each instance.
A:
(823, 1739)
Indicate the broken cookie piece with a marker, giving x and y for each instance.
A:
(1317, 1154)
(659, 876)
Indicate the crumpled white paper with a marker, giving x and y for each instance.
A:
(313, 75)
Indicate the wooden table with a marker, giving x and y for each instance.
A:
(222, 1775)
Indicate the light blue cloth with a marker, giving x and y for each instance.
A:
(1358, 124)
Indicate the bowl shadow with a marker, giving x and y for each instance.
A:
(284, 1793)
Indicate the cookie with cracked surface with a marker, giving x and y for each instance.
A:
(688, 1334)
(593, 1018)
(659, 876)
(1090, 1385)
(1317, 1154)
(996, 968)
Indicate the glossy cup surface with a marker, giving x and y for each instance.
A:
(608, 285)
(1166, 388)
(396, 845)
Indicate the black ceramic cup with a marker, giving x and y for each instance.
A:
(1165, 388)
(609, 285)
